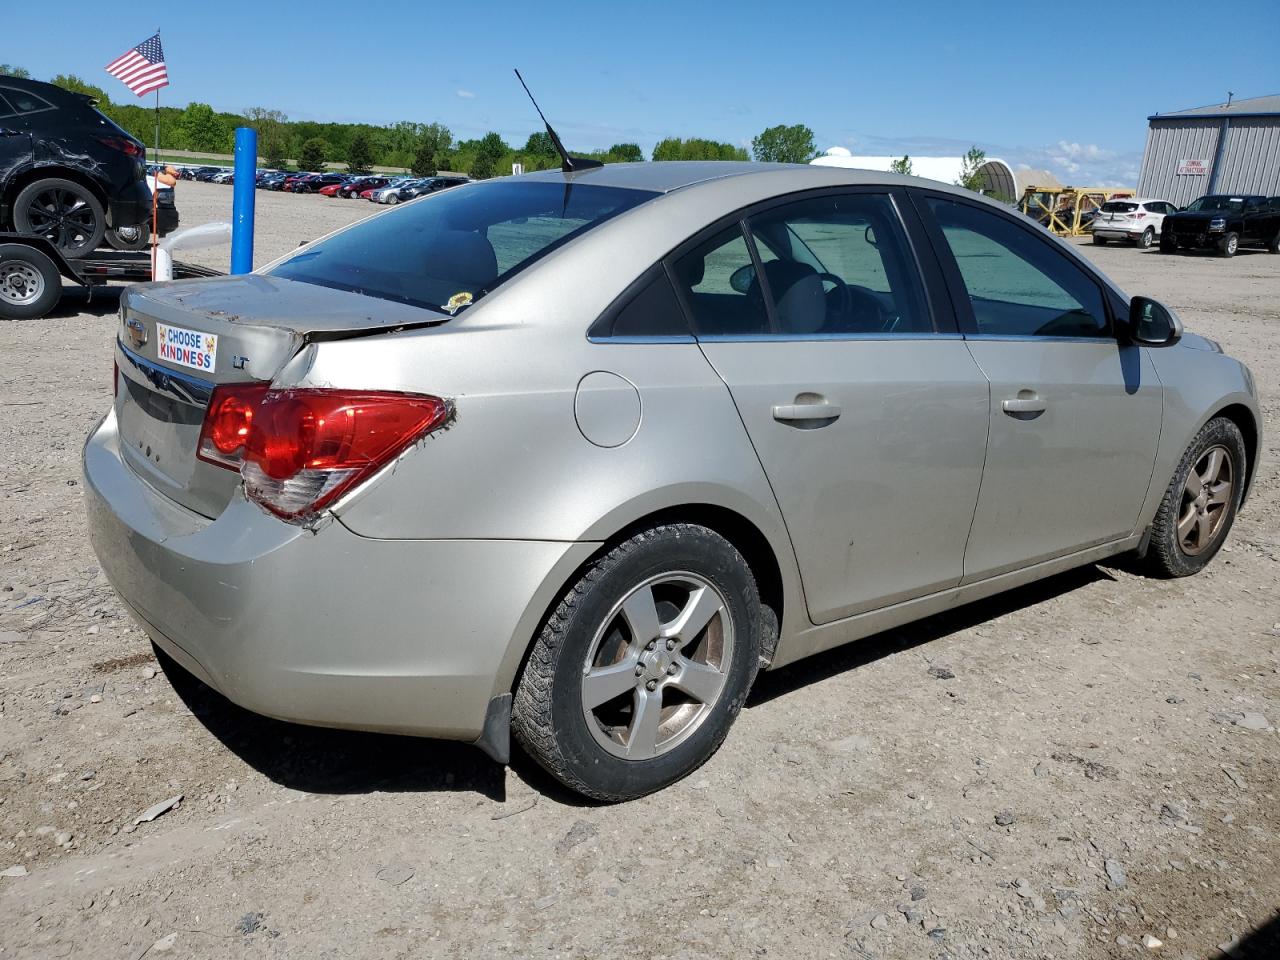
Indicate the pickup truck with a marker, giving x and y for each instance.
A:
(1224, 222)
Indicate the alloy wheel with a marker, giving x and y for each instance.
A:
(62, 216)
(657, 666)
(20, 283)
(1206, 499)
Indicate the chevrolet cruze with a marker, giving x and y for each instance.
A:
(573, 455)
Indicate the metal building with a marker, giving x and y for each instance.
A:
(1225, 148)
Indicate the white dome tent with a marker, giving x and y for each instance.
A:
(999, 179)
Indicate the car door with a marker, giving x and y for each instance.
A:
(868, 414)
(15, 139)
(1075, 414)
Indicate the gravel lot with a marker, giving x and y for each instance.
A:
(1102, 767)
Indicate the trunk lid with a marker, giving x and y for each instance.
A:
(177, 341)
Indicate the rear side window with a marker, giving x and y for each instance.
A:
(1018, 284)
(715, 281)
(839, 265)
(457, 245)
(648, 308)
(23, 102)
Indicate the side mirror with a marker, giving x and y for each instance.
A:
(740, 280)
(1152, 324)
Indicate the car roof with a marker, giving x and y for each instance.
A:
(670, 175)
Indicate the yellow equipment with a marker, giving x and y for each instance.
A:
(1068, 211)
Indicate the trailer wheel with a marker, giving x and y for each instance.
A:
(30, 284)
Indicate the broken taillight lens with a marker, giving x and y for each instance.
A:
(307, 447)
(227, 422)
(126, 146)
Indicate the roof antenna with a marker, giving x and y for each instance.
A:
(1230, 94)
(567, 163)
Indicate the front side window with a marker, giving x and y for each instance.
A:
(1019, 285)
(457, 245)
(838, 265)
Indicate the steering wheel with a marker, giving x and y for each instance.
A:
(844, 291)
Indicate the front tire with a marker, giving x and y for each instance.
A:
(65, 213)
(1168, 243)
(130, 238)
(1274, 245)
(1200, 503)
(1228, 245)
(642, 667)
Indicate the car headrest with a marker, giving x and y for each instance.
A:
(463, 256)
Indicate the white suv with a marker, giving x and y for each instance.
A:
(1136, 220)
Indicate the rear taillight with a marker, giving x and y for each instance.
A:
(1138, 216)
(300, 450)
(124, 145)
(227, 421)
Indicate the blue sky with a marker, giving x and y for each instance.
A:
(1066, 86)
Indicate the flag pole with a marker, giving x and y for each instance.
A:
(155, 206)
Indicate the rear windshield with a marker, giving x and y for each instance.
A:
(1233, 204)
(1116, 206)
(451, 248)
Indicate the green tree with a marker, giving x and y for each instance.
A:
(312, 155)
(783, 144)
(9, 70)
(626, 153)
(970, 178)
(199, 128)
(695, 148)
(901, 166)
(540, 145)
(431, 151)
(359, 154)
(492, 149)
(270, 125)
(76, 85)
(272, 151)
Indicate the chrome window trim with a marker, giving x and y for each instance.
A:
(170, 383)
(1019, 337)
(804, 337)
(657, 338)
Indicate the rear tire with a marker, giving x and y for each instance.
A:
(30, 284)
(1274, 245)
(1148, 237)
(1228, 245)
(1100, 241)
(1188, 531)
(65, 213)
(615, 639)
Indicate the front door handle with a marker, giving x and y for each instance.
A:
(1026, 405)
(806, 411)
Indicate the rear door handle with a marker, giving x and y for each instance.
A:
(1023, 405)
(806, 411)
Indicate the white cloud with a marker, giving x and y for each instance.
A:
(466, 95)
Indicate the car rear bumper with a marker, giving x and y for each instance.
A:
(1120, 231)
(131, 206)
(321, 627)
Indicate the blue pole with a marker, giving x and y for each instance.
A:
(242, 201)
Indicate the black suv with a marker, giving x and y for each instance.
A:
(1224, 222)
(66, 171)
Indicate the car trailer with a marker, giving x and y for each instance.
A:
(32, 270)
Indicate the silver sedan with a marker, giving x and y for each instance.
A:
(575, 455)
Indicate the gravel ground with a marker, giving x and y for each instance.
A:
(1101, 767)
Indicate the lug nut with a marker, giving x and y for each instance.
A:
(651, 685)
(639, 671)
(652, 644)
(671, 644)
(671, 670)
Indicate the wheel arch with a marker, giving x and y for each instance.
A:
(774, 569)
(1242, 417)
(20, 181)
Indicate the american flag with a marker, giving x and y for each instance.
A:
(142, 69)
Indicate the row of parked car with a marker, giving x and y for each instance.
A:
(1218, 222)
(378, 188)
